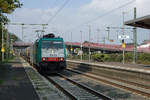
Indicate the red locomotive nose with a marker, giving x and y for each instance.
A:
(52, 59)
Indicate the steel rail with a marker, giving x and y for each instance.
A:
(142, 93)
(90, 90)
(121, 80)
(61, 88)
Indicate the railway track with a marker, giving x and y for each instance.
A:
(130, 74)
(126, 85)
(142, 91)
(74, 90)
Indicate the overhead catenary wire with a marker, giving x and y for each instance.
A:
(58, 11)
(105, 14)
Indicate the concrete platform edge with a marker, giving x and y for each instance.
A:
(113, 67)
(47, 85)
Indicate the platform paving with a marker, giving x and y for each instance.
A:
(44, 89)
(14, 82)
(20, 81)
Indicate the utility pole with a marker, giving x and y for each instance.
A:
(11, 46)
(43, 27)
(2, 44)
(89, 43)
(71, 45)
(7, 44)
(104, 40)
(123, 42)
(98, 32)
(81, 45)
(117, 34)
(22, 32)
(149, 41)
(135, 40)
(108, 30)
(103, 43)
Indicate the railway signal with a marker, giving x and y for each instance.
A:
(123, 44)
(2, 49)
(71, 49)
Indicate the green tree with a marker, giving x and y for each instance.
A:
(6, 7)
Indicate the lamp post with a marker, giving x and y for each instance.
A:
(81, 46)
(71, 45)
(108, 30)
(89, 43)
(123, 43)
(2, 49)
(7, 44)
(135, 40)
(98, 30)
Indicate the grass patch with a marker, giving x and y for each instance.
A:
(142, 58)
(8, 60)
(17, 78)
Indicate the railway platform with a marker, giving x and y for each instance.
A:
(14, 82)
(20, 81)
(127, 66)
(128, 77)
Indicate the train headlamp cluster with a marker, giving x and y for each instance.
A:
(52, 59)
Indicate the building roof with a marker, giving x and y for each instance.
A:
(111, 47)
(142, 22)
(20, 43)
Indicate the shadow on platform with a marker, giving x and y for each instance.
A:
(14, 82)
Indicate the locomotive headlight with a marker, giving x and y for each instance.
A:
(61, 59)
(43, 59)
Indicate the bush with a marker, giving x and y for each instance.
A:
(128, 57)
(112, 57)
(115, 57)
(100, 57)
(85, 56)
(144, 58)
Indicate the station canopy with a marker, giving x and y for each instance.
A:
(143, 22)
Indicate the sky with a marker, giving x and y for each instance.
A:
(77, 16)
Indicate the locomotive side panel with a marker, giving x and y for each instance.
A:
(31, 55)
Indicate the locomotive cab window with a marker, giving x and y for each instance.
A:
(52, 48)
(52, 44)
